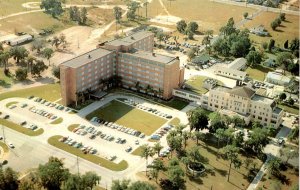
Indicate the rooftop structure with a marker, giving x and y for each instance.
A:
(238, 64)
(277, 79)
(129, 40)
(230, 73)
(262, 99)
(152, 56)
(19, 39)
(86, 58)
(242, 91)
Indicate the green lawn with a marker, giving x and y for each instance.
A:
(137, 151)
(176, 103)
(11, 103)
(72, 127)
(54, 141)
(50, 92)
(258, 73)
(57, 121)
(5, 81)
(128, 116)
(4, 146)
(21, 129)
(175, 121)
(195, 84)
(291, 109)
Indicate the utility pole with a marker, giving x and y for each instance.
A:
(77, 165)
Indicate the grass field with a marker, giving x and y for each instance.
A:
(291, 109)
(11, 6)
(175, 121)
(137, 151)
(128, 116)
(72, 127)
(195, 84)
(10, 103)
(90, 157)
(5, 81)
(21, 129)
(29, 23)
(176, 103)
(50, 92)
(57, 121)
(4, 146)
(208, 14)
(287, 31)
(258, 73)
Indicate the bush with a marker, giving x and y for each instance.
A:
(21, 74)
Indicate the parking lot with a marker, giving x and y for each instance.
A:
(109, 141)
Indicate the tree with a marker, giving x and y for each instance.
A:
(271, 45)
(118, 15)
(238, 122)
(290, 101)
(191, 54)
(18, 53)
(90, 179)
(220, 134)
(229, 28)
(185, 136)
(181, 26)
(31, 182)
(73, 182)
(282, 96)
(273, 166)
(10, 179)
(52, 7)
(21, 74)
(284, 59)
(286, 44)
(175, 175)
(245, 15)
(120, 185)
(282, 16)
(192, 27)
(4, 56)
(157, 166)
(198, 136)
(83, 15)
(248, 162)
(48, 53)
(278, 21)
(231, 153)
(258, 139)
(186, 161)
(216, 122)
(294, 46)
(157, 148)
(38, 68)
(160, 36)
(198, 119)
(53, 173)
(254, 58)
(56, 72)
(274, 25)
(138, 185)
(264, 45)
(38, 44)
(132, 7)
(289, 153)
(146, 151)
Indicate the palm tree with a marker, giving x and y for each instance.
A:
(198, 136)
(273, 166)
(146, 5)
(185, 136)
(157, 148)
(186, 161)
(157, 165)
(231, 153)
(145, 153)
(4, 56)
(30, 60)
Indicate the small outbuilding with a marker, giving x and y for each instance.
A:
(19, 40)
(277, 79)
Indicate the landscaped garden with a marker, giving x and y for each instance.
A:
(57, 121)
(128, 116)
(21, 129)
(54, 141)
(258, 72)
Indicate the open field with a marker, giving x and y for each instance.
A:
(21, 129)
(208, 14)
(29, 23)
(128, 116)
(12, 6)
(195, 84)
(215, 176)
(287, 31)
(90, 157)
(176, 103)
(175, 121)
(50, 92)
(137, 151)
(291, 180)
(258, 73)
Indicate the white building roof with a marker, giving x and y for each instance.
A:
(237, 64)
(278, 77)
(232, 71)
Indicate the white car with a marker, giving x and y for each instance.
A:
(11, 145)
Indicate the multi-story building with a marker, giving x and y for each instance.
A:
(241, 100)
(130, 58)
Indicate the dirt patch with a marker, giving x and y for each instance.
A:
(166, 19)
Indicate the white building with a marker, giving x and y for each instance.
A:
(230, 73)
(19, 40)
(238, 64)
(277, 79)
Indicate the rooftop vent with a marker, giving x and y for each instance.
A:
(132, 37)
(89, 56)
(153, 54)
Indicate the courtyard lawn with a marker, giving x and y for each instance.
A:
(72, 127)
(258, 73)
(21, 129)
(175, 103)
(57, 121)
(128, 116)
(50, 92)
(195, 84)
(54, 141)
(291, 109)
